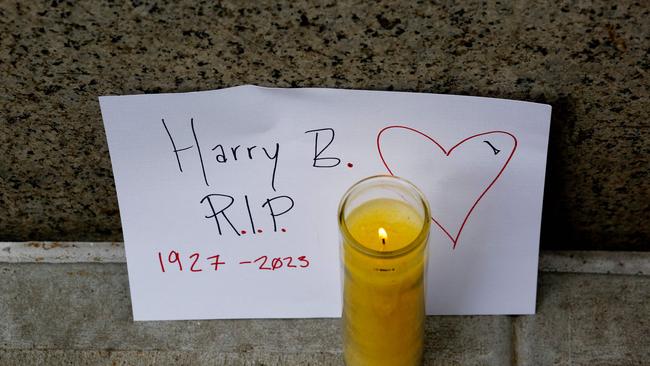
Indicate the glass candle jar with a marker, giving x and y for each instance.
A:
(384, 225)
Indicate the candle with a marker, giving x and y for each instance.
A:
(384, 228)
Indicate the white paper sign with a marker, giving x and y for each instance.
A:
(228, 198)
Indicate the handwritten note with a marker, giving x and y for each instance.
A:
(228, 198)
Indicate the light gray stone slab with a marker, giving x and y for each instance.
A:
(176, 358)
(80, 313)
(586, 319)
(468, 340)
(78, 310)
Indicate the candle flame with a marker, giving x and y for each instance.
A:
(383, 235)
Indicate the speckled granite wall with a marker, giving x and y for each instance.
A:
(590, 60)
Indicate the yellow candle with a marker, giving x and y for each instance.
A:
(384, 226)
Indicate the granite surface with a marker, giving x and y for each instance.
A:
(589, 60)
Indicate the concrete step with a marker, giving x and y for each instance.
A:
(80, 313)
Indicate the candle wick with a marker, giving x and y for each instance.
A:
(383, 241)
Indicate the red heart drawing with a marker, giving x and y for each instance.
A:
(447, 153)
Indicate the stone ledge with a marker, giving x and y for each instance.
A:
(80, 313)
(136, 358)
(628, 263)
(62, 252)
